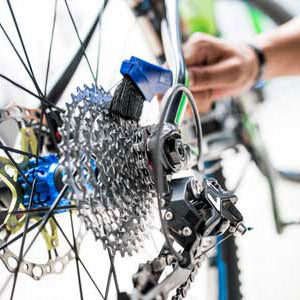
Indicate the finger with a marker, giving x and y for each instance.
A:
(220, 94)
(214, 95)
(203, 107)
(201, 49)
(203, 101)
(220, 75)
(159, 97)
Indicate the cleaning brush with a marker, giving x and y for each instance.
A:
(141, 81)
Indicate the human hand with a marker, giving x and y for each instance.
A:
(218, 69)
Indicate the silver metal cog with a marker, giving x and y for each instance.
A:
(112, 184)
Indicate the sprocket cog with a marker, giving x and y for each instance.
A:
(108, 176)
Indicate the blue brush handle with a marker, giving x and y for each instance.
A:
(150, 79)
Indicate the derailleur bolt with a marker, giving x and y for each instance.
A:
(186, 231)
(169, 216)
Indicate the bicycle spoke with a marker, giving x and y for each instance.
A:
(104, 3)
(31, 93)
(17, 53)
(76, 257)
(61, 84)
(47, 75)
(50, 48)
(82, 264)
(22, 243)
(3, 288)
(40, 135)
(21, 87)
(14, 163)
(81, 44)
(23, 47)
(3, 147)
(111, 81)
(47, 217)
(108, 282)
(20, 235)
(90, 276)
(46, 81)
(112, 263)
(45, 90)
(28, 61)
(98, 51)
(114, 85)
(39, 209)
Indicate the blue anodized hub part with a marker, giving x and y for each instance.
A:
(150, 79)
(46, 190)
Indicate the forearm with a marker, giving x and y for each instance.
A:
(282, 50)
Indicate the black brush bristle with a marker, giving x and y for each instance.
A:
(127, 100)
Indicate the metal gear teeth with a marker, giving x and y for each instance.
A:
(107, 175)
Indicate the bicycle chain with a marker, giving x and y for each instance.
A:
(181, 291)
(112, 185)
(148, 272)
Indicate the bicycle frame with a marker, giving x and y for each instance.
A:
(161, 23)
(170, 40)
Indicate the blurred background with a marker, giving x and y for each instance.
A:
(270, 263)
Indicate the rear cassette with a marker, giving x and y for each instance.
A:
(106, 172)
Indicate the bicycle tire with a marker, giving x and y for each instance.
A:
(288, 175)
(227, 253)
(273, 10)
(262, 160)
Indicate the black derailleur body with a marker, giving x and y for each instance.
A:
(194, 207)
(196, 210)
(175, 155)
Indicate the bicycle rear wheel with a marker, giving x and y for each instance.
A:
(39, 232)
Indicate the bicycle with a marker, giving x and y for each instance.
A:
(48, 133)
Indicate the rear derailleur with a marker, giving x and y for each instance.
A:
(194, 210)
